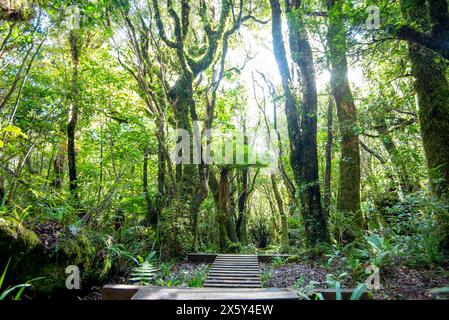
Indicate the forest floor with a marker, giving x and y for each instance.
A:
(397, 282)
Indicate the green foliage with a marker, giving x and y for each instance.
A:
(278, 262)
(265, 276)
(20, 288)
(176, 238)
(378, 250)
(128, 107)
(293, 259)
(144, 273)
(306, 291)
(197, 277)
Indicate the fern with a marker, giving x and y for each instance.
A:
(144, 273)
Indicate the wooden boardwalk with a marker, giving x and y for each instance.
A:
(231, 277)
(234, 271)
(152, 293)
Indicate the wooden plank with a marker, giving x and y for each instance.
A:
(231, 280)
(235, 261)
(236, 266)
(235, 280)
(209, 258)
(235, 256)
(238, 274)
(119, 291)
(201, 257)
(232, 285)
(234, 271)
(235, 276)
(266, 258)
(155, 293)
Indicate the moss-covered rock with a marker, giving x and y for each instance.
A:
(293, 259)
(15, 238)
(15, 10)
(31, 259)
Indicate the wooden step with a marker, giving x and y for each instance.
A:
(233, 280)
(232, 285)
(234, 271)
(234, 274)
(227, 275)
(221, 293)
(234, 268)
(235, 261)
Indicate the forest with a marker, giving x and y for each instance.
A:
(135, 134)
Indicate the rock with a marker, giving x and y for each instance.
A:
(15, 10)
(31, 258)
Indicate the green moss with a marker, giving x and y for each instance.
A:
(293, 259)
(31, 259)
(15, 238)
(15, 10)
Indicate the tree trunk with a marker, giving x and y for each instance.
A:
(302, 132)
(2, 193)
(59, 168)
(16, 10)
(432, 90)
(280, 204)
(348, 199)
(151, 214)
(225, 219)
(244, 190)
(389, 145)
(328, 155)
(71, 128)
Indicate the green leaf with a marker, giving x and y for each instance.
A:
(6, 292)
(2, 278)
(358, 292)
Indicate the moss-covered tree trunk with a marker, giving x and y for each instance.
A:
(283, 216)
(15, 9)
(302, 128)
(328, 156)
(226, 223)
(58, 166)
(399, 163)
(191, 177)
(2, 193)
(244, 185)
(74, 110)
(432, 90)
(348, 197)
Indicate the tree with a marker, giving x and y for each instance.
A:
(74, 40)
(435, 38)
(302, 128)
(348, 199)
(432, 90)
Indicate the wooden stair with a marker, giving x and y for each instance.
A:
(234, 271)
